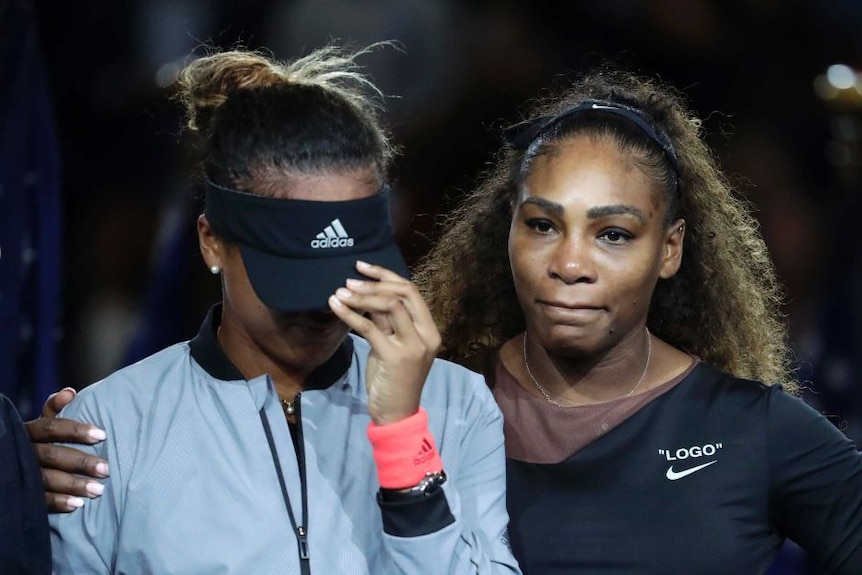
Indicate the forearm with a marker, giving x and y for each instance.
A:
(434, 537)
(458, 524)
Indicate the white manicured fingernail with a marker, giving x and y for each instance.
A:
(354, 283)
(94, 488)
(362, 264)
(334, 302)
(102, 468)
(97, 434)
(343, 293)
(75, 502)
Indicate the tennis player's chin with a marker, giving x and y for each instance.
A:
(578, 331)
(320, 332)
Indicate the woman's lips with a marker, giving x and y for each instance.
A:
(570, 311)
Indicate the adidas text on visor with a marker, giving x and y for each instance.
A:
(298, 252)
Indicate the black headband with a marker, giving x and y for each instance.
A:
(297, 252)
(522, 135)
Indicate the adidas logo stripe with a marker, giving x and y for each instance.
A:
(426, 452)
(333, 236)
(426, 446)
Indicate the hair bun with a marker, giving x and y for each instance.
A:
(206, 83)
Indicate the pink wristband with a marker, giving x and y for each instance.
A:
(404, 451)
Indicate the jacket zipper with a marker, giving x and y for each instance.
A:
(301, 530)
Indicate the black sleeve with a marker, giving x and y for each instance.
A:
(410, 516)
(815, 484)
(25, 545)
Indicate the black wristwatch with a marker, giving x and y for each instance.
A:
(427, 486)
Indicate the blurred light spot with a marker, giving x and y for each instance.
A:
(824, 89)
(167, 73)
(841, 76)
(28, 255)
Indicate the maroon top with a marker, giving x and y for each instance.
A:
(538, 431)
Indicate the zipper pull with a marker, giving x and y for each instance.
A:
(302, 536)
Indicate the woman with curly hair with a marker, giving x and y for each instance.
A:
(624, 309)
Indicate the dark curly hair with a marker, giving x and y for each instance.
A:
(724, 303)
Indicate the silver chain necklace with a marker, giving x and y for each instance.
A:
(545, 393)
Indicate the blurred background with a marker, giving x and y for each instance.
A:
(98, 260)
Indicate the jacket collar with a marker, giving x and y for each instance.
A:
(207, 352)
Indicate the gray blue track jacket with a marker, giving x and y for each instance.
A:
(198, 456)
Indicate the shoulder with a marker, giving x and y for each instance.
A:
(462, 391)
(131, 385)
(708, 382)
(754, 403)
(708, 379)
(710, 399)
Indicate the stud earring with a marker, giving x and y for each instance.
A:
(214, 270)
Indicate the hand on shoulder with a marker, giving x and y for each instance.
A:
(66, 472)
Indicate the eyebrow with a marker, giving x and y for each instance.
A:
(593, 213)
(616, 210)
(547, 205)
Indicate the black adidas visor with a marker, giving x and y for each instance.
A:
(298, 252)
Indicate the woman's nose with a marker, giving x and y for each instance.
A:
(572, 262)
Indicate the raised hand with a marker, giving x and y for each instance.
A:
(391, 315)
(63, 467)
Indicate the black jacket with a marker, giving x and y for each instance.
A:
(25, 546)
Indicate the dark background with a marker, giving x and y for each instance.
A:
(750, 69)
(756, 71)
